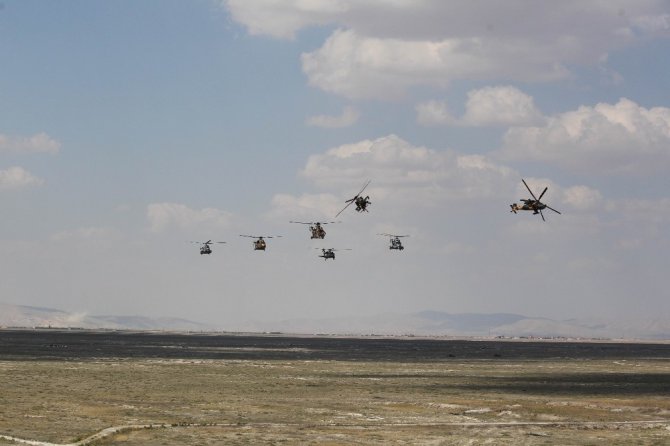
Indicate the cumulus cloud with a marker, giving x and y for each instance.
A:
(164, 215)
(399, 168)
(383, 47)
(490, 106)
(607, 138)
(431, 20)
(348, 118)
(307, 207)
(502, 106)
(38, 143)
(434, 113)
(17, 178)
(582, 197)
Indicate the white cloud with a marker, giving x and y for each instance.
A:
(434, 113)
(383, 47)
(164, 215)
(38, 143)
(582, 197)
(17, 178)
(307, 207)
(348, 118)
(282, 19)
(489, 106)
(619, 138)
(398, 168)
(500, 106)
(431, 20)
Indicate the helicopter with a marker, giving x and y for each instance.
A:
(330, 252)
(395, 241)
(205, 247)
(316, 228)
(534, 205)
(361, 202)
(259, 243)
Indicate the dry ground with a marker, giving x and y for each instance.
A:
(221, 401)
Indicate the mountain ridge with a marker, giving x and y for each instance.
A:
(422, 323)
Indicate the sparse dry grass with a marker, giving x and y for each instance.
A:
(337, 402)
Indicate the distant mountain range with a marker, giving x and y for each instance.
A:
(436, 323)
(424, 323)
(25, 316)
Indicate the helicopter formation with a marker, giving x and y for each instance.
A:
(318, 232)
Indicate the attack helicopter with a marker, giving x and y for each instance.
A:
(259, 243)
(534, 204)
(362, 203)
(329, 253)
(395, 241)
(316, 228)
(205, 247)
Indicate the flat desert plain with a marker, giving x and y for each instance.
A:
(128, 388)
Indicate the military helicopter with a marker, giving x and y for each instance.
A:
(316, 228)
(532, 205)
(361, 202)
(259, 243)
(330, 252)
(205, 247)
(395, 241)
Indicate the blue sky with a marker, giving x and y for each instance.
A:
(129, 128)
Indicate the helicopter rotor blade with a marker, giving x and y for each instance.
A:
(366, 185)
(348, 204)
(540, 197)
(552, 209)
(531, 192)
(541, 215)
(301, 222)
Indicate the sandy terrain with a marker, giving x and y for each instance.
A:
(249, 390)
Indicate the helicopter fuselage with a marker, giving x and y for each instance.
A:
(396, 245)
(362, 204)
(528, 205)
(328, 254)
(317, 231)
